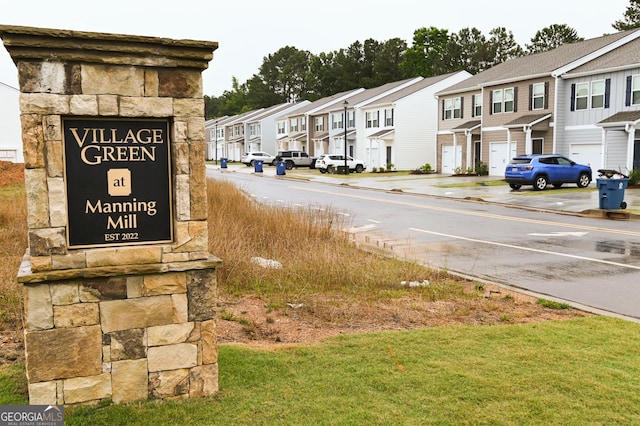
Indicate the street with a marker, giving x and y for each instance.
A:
(591, 263)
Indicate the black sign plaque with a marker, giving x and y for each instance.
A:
(118, 181)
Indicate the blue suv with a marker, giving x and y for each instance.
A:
(540, 170)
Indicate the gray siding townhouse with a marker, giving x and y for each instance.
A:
(260, 130)
(214, 137)
(518, 107)
(234, 134)
(601, 113)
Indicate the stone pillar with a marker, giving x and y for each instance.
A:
(119, 287)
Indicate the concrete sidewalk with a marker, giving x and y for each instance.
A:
(569, 199)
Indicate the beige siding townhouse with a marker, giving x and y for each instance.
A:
(510, 108)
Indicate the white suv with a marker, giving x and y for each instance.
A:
(330, 163)
(249, 157)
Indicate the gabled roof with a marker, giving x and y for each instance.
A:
(542, 64)
(626, 56)
(620, 119)
(370, 94)
(380, 134)
(528, 120)
(321, 137)
(468, 126)
(320, 103)
(416, 87)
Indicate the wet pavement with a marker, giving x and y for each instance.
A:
(569, 199)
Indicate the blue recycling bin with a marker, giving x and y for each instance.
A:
(611, 193)
(281, 168)
(223, 163)
(257, 166)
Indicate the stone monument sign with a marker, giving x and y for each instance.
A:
(119, 286)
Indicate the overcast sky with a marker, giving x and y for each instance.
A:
(248, 31)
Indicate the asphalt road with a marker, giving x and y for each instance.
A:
(592, 263)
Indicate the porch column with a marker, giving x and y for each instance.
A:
(631, 132)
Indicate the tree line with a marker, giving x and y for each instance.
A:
(291, 75)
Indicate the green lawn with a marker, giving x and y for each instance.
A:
(574, 372)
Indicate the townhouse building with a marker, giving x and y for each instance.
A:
(400, 127)
(10, 128)
(214, 138)
(260, 129)
(349, 113)
(601, 116)
(523, 106)
(307, 130)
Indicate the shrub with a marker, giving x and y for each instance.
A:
(634, 177)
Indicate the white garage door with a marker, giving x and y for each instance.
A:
(589, 154)
(499, 157)
(449, 160)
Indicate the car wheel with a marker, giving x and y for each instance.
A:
(289, 165)
(583, 180)
(515, 186)
(540, 183)
(250, 164)
(359, 168)
(323, 170)
(557, 185)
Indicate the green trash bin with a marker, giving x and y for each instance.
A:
(611, 191)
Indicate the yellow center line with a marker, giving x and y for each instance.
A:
(472, 213)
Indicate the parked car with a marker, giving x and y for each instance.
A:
(329, 163)
(249, 157)
(540, 170)
(293, 159)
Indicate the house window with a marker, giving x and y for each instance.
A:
(254, 129)
(477, 105)
(452, 108)
(635, 90)
(303, 124)
(281, 127)
(388, 117)
(496, 102)
(351, 119)
(293, 125)
(582, 96)
(319, 124)
(336, 121)
(597, 94)
(537, 96)
(372, 119)
(509, 100)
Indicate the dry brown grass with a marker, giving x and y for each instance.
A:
(316, 257)
(13, 242)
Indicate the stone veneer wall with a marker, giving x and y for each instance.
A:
(130, 322)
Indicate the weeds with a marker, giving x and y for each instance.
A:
(316, 256)
(553, 305)
(13, 235)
